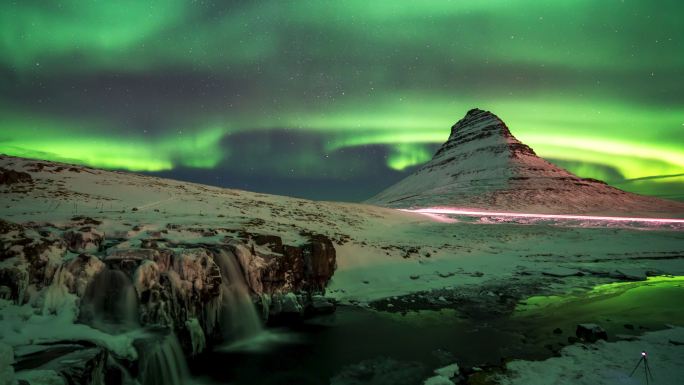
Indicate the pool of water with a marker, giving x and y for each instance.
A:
(316, 350)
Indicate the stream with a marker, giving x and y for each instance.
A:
(354, 342)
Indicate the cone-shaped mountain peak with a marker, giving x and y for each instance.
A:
(482, 165)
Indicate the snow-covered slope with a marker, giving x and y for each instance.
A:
(381, 252)
(62, 226)
(483, 165)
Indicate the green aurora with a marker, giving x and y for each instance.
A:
(327, 90)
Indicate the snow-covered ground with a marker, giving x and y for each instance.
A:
(381, 252)
(607, 363)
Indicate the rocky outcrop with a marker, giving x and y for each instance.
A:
(72, 363)
(28, 258)
(9, 177)
(171, 286)
(591, 333)
(276, 268)
(83, 240)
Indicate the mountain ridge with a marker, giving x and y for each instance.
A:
(482, 165)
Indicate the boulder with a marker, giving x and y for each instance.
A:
(591, 332)
(321, 305)
(74, 364)
(84, 239)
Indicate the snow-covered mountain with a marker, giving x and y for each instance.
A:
(482, 165)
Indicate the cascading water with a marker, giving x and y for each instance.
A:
(110, 302)
(162, 362)
(237, 315)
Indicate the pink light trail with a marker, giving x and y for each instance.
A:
(471, 212)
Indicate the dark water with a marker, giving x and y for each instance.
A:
(315, 351)
(320, 348)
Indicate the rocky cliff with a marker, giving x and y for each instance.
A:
(204, 292)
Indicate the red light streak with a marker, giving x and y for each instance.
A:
(471, 212)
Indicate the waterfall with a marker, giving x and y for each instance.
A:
(110, 302)
(237, 315)
(57, 298)
(162, 362)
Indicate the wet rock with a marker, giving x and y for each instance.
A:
(321, 305)
(288, 305)
(591, 332)
(74, 364)
(85, 239)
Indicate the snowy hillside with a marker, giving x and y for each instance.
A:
(483, 166)
(84, 249)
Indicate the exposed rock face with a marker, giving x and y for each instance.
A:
(9, 177)
(27, 258)
(85, 239)
(482, 165)
(287, 268)
(177, 286)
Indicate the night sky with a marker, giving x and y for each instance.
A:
(337, 100)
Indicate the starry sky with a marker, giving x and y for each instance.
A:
(337, 100)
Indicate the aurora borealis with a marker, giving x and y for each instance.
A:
(337, 100)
